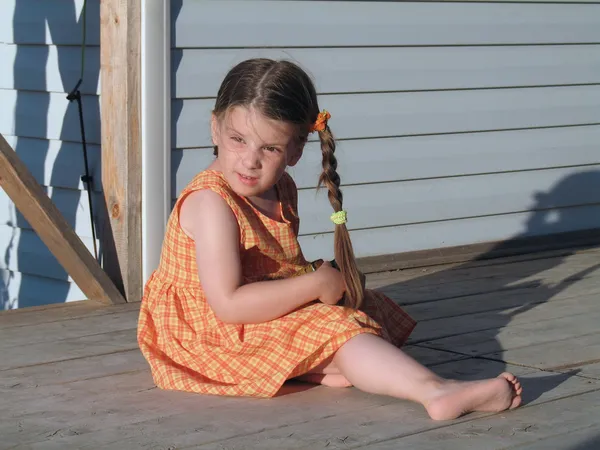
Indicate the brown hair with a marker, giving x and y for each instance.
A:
(281, 90)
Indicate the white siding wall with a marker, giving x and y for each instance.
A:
(457, 123)
(40, 57)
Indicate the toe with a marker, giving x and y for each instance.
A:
(516, 402)
(509, 376)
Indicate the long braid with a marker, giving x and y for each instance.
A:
(344, 254)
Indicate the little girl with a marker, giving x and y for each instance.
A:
(235, 309)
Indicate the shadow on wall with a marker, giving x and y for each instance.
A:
(464, 311)
(32, 20)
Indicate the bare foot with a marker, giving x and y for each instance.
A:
(455, 398)
(330, 380)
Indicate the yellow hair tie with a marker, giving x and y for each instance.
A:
(339, 217)
(321, 121)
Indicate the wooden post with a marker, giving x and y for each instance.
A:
(120, 62)
(53, 229)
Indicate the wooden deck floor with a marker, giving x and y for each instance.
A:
(72, 376)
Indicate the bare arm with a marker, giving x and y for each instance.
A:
(207, 219)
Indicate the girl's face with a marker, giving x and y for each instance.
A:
(254, 150)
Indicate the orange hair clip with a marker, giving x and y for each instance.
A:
(321, 122)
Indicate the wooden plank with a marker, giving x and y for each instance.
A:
(44, 115)
(58, 163)
(71, 371)
(301, 24)
(67, 329)
(288, 423)
(464, 295)
(440, 235)
(421, 157)
(52, 313)
(52, 228)
(589, 370)
(581, 436)
(525, 313)
(406, 202)
(419, 113)
(59, 72)
(510, 337)
(62, 350)
(541, 426)
(548, 266)
(42, 22)
(566, 354)
(502, 301)
(482, 254)
(125, 403)
(199, 72)
(120, 58)
(481, 267)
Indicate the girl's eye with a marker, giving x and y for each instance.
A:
(237, 139)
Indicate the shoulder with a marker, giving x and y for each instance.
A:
(202, 208)
(206, 195)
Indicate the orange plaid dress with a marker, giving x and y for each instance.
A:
(190, 349)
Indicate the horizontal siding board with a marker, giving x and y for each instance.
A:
(336, 23)
(390, 240)
(24, 251)
(418, 157)
(72, 204)
(389, 204)
(415, 113)
(198, 72)
(59, 164)
(49, 68)
(48, 116)
(19, 290)
(56, 22)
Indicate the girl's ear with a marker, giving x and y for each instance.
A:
(296, 153)
(214, 129)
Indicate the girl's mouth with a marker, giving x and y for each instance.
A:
(248, 181)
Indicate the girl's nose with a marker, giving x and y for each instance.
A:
(251, 159)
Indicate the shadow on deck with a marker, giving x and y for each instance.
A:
(72, 375)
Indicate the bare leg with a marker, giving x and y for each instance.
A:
(374, 365)
(326, 374)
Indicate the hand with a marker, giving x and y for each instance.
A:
(331, 284)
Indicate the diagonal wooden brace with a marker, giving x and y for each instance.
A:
(52, 228)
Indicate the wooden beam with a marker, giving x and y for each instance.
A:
(120, 61)
(53, 229)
